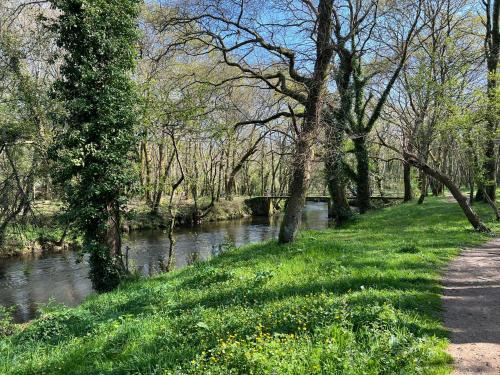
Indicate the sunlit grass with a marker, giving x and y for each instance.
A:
(360, 300)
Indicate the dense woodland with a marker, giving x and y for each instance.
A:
(105, 104)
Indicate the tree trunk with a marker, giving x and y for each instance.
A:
(492, 43)
(339, 208)
(423, 188)
(113, 235)
(493, 206)
(363, 174)
(147, 175)
(408, 195)
(471, 188)
(161, 186)
(490, 166)
(106, 263)
(306, 138)
(298, 187)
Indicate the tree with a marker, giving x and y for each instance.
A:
(435, 84)
(254, 38)
(24, 108)
(492, 54)
(92, 151)
(372, 43)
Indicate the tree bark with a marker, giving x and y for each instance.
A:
(147, 173)
(298, 185)
(113, 236)
(302, 163)
(423, 188)
(363, 174)
(340, 210)
(408, 194)
(335, 175)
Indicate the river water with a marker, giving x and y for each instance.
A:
(28, 282)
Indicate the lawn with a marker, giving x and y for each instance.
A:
(364, 299)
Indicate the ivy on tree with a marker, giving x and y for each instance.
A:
(92, 153)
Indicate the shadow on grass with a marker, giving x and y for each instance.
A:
(358, 267)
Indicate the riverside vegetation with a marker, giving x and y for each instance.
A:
(46, 231)
(364, 299)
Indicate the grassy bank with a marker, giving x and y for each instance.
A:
(360, 300)
(40, 231)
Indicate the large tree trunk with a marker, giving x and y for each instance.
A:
(298, 185)
(313, 108)
(113, 235)
(408, 194)
(106, 263)
(339, 208)
(471, 215)
(336, 124)
(363, 174)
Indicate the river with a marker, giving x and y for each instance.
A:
(27, 282)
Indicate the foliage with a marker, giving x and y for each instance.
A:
(7, 326)
(342, 301)
(91, 154)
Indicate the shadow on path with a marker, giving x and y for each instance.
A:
(471, 301)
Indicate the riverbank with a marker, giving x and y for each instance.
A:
(362, 299)
(140, 218)
(44, 234)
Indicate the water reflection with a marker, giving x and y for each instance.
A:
(27, 282)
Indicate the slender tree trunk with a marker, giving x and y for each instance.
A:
(471, 187)
(423, 188)
(230, 184)
(490, 167)
(493, 206)
(147, 175)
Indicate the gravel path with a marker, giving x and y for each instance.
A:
(471, 301)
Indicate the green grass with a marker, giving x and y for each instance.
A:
(364, 299)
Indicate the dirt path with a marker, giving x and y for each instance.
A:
(471, 301)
